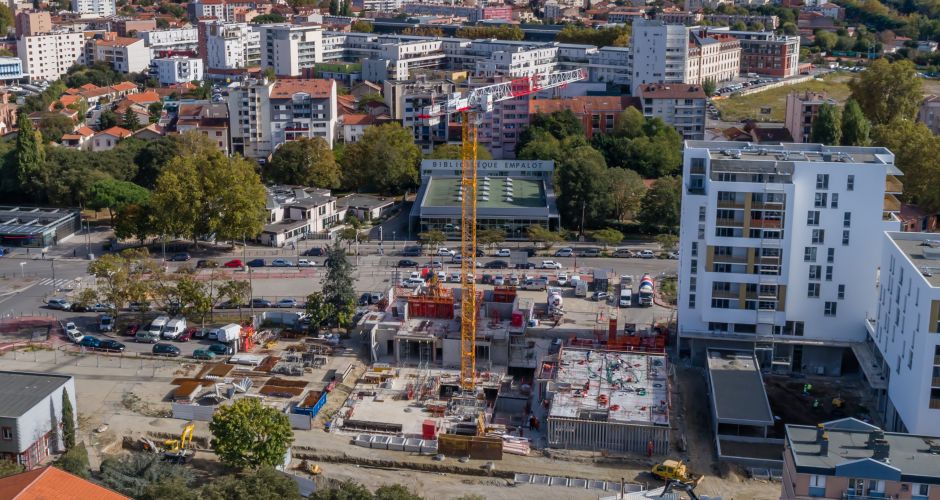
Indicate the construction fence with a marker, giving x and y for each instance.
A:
(592, 435)
(475, 447)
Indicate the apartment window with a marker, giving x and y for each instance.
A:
(721, 304)
(845, 238)
(820, 201)
(850, 183)
(847, 219)
(812, 290)
(829, 308)
(815, 272)
(828, 273)
(694, 266)
(835, 200)
(812, 218)
(920, 490)
(7, 433)
(701, 214)
(819, 236)
(817, 485)
(830, 255)
(809, 254)
(694, 249)
(822, 181)
(691, 301)
(841, 292)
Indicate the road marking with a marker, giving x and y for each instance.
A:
(57, 283)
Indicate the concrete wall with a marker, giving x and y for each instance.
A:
(576, 434)
(826, 358)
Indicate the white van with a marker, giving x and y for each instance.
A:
(153, 332)
(626, 297)
(174, 328)
(413, 283)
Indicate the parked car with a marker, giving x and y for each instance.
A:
(282, 263)
(550, 264)
(73, 333)
(456, 259)
(131, 329)
(234, 264)
(673, 255)
(411, 251)
(646, 254)
(622, 252)
(407, 263)
(187, 335)
(111, 346)
(496, 264)
(220, 349)
(499, 280)
(413, 283)
(562, 279)
(205, 354)
(305, 263)
(564, 252)
(105, 323)
(287, 303)
(99, 307)
(180, 257)
(364, 299)
(589, 252)
(315, 252)
(89, 342)
(60, 304)
(262, 303)
(454, 278)
(503, 252)
(161, 349)
(445, 252)
(228, 304)
(435, 264)
(201, 333)
(600, 296)
(256, 263)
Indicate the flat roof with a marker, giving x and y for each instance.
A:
(32, 220)
(526, 193)
(797, 152)
(923, 252)
(21, 391)
(611, 386)
(737, 388)
(909, 456)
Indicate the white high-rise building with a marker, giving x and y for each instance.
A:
(291, 48)
(904, 334)
(780, 248)
(47, 57)
(93, 8)
(173, 39)
(660, 52)
(232, 46)
(178, 69)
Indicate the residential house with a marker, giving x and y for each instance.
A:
(79, 139)
(209, 119)
(802, 110)
(354, 126)
(151, 132)
(106, 140)
(365, 88)
(915, 219)
(680, 105)
(366, 207)
(51, 482)
(296, 212)
(31, 415)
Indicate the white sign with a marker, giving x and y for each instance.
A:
(502, 167)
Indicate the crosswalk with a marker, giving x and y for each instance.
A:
(59, 283)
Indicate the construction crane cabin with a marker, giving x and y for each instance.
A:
(471, 105)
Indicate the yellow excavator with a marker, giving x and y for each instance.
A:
(180, 450)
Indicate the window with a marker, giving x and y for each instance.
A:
(819, 236)
(7, 433)
(812, 218)
(820, 200)
(829, 308)
(701, 214)
(817, 485)
(828, 273)
(847, 219)
(694, 266)
(850, 183)
(822, 181)
(841, 292)
(812, 290)
(831, 255)
(920, 490)
(835, 200)
(691, 301)
(694, 249)
(815, 272)
(845, 238)
(809, 254)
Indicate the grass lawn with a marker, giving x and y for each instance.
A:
(739, 108)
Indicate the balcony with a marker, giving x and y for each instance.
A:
(729, 223)
(893, 185)
(892, 204)
(733, 259)
(730, 204)
(767, 223)
(725, 294)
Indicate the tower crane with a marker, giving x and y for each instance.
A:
(471, 105)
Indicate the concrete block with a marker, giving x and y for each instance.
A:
(613, 485)
(380, 442)
(594, 484)
(413, 445)
(540, 479)
(558, 481)
(577, 483)
(396, 443)
(364, 440)
(429, 447)
(522, 478)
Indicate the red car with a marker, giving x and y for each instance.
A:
(234, 263)
(187, 335)
(131, 329)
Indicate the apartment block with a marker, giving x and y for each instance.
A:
(597, 114)
(164, 42)
(49, 56)
(93, 8)
(502, 127)
(127, 55)
(264, 114)
(849, 459)
(290, 49)
(766, 53)
(780, 248)
(209, 119)
(407, 100)
(680, 105)
(178, 69)
(31, 23)
(904, 330)
(660, 53)
(712, 57)
(232, 46)
(206, 9)
(802, 110)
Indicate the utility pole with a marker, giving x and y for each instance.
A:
(55, 288)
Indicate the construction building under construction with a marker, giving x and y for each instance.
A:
(603, 400)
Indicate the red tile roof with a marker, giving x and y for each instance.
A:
(358, 119)
(116, 132)
(49, 482)
(317, 88)
(671, 91)
(119, 42)
(144, 97)
(124, 86)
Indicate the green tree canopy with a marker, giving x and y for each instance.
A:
(608, 236)
(432, 239)
(504, 32)
(75, 461)
(30, 156)
(616, 36)
(560, 124)
(452, 152)
(856, 129)
(107, 119)
(886, 91)
(338, 289)
(660, 206)
(54, 125)
(361, 26)
(114, 194)
(246, 434)
(68, 421)
(629, 123)
(133, 474)
(626, 192)
(262, 484)
(385, 160)
(306, 162)
(581, 182)
(915, 153)
(272, 18)
(827, 126)
(130, 120)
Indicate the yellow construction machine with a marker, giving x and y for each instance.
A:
(675, 470)
(180, 450)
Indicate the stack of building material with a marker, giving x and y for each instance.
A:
(515, 445)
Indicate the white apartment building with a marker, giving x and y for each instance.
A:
(678, 104)
(291, 48)
(780, 248)
(174, 39)
(93, 8)
(47, 57)
(396, 60)
(518, 62)
(905, 333)
(127, 55)
(232, 46)
(660, 53)
(712, 57)
(178, 69)
(207, 9)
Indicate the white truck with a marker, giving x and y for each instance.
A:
(580, 288)
(174, 328)
(227, 333)
(626, 291)
(646, 290)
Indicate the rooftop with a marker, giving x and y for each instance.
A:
(909, 457)
(50, 482)
(671, 91)
(923, 252)
(610, 386)
(526, 193)
(317, 88)
(733, 374)
(364, 201)
(20, 391)
(797, 153)
(22, 221)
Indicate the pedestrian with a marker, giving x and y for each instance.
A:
(73, 252)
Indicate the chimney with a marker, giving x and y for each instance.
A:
(881, 450)
(824, 444)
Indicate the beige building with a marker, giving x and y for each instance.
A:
(801, 111)
(49, 56)
(33, 23)
(713, 56)
(929, 113)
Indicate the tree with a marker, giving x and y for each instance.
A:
(432, 239)
(152, 157)
(133, 221)
(581, 182)
(826, 40)
(345, 8)
(234, 291)
(30, 156)
(541, 235)
(54, 125)
(6, 18)
(107, 119)
(609, 236)
(68, 421)
(739, 26)
(361, 27)
(660, 206)
(709, 86)
(334, 7)
(75, 461)
(855, 127)
(560, 124)
(504, 32)
(385, 160)
(120, 277)
(195, 298)
(247, 434)
(616, 36)
(263, 484)
(318, 311)
(338, 289)
(347, 490)
(130, 120)
(668, 242)
(452, 152)
(395, 492)
(155, 109)
(490, 237)
(134, 473)
(114, 195)
(827, 127)
(174, 487)
(626, 192)
(306, 162)
(915, 153)
(886, 91)
(272, 18)
(541, 146)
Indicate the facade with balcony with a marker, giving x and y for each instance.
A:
(779, 249)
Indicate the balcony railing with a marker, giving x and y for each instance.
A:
(892, 204)
(733, 259)
(730, 204)
(729, 223)
(767, 223)
(893, 185)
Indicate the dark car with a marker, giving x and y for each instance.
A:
(203, 354)
(364, 299)
(90, 342)
(315, 252)
(180, 257)
(407, 263)
(131, 329)
(496, 264)
(220, 349)
(200, 333)
(111, 346)
(411, 251)
(187, 335)
(486, 279)
(205, 264)
(256, 263)
(170, 350)
(261, 303)
(228, 304)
